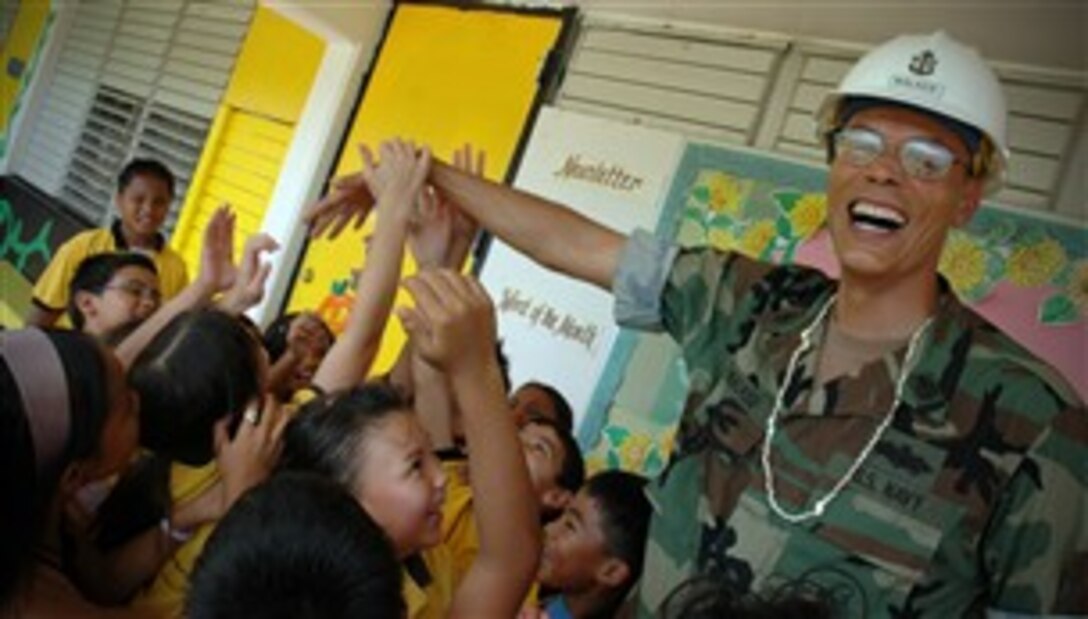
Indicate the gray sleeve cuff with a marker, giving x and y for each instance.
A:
(640, 280)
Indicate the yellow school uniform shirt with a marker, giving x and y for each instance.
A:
(459, 532)
(166, 595)
(428, 583)
(51, 289)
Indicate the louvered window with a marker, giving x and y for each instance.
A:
(136, 78)
(701, 86)
(763, 91)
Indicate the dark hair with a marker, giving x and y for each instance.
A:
(94, 274)
(148, 167)
(27, 491)
(625, 516)
(563, 410)
(572, 470)
(201, 368)
(297, 546)
(275, 336)
(711, 597)
(328, 432)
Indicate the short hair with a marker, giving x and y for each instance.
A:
(625, 515)
(572, 470)
(145, 167)
(202, 368)
(330, 430)
(94, 274)
(298, 546)
(563, 410)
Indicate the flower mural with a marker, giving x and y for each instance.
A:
(756, 218)
(1035, 263)
(808, 214)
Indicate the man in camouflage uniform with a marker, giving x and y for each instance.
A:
(870, 437)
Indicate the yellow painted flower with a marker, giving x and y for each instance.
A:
(633, 451)
(1035, 265)
(1078, 286)
(721, 238)
(963, 262)
(808, 214)
(726, 193)
(756, 238)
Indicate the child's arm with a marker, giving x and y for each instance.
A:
(440, 237)
(217, 273)
(453, 327)
(399, 177)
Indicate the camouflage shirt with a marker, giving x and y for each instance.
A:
(974, 497)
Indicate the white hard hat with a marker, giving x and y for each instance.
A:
(934, 73)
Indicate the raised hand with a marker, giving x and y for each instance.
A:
(349, 201)
(431, 233)
(452, 324)
(398, 178)
(247, 459)
(442, 233)
(306, 334)
(251, 274)
(464, 226)
(217, 271)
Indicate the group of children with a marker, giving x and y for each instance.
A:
(165, 458)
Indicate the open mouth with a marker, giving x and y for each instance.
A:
(875, 218)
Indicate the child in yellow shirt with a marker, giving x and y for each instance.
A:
(145, 190)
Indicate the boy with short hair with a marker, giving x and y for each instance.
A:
(556, 470)
(145, 189)
(112, 289)
(593, 553)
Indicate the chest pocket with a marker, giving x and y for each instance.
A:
(878, 540)
(887, 528)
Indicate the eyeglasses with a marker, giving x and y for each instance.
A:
(921, 158)
(137, 289)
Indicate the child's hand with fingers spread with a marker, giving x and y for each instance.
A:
(251, 274)
(217, 270)
(453, 321)
(306, 334)
(349, 201)
(400, 174)
(248, 458)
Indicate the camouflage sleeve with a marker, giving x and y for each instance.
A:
(640, 279)
(1036, 552)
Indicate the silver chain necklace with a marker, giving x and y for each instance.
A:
(806, 345)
